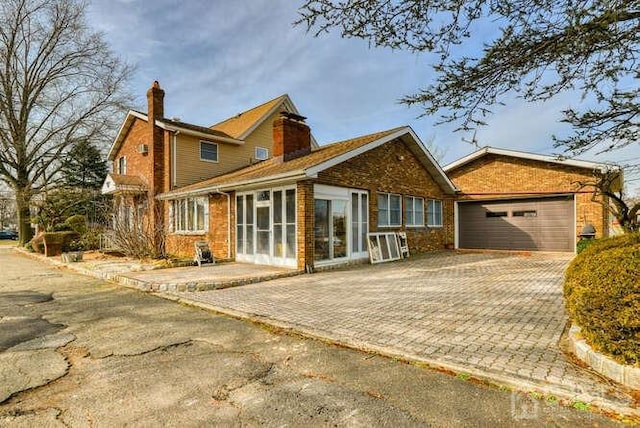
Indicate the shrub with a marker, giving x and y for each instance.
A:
(602, 295)
(61, 227)
(583, 244)
(77, 223)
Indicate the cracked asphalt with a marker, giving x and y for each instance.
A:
(76, 351)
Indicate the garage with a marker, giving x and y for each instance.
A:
(538, 224)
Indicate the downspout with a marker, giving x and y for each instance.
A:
(228, 221)
(174, 163)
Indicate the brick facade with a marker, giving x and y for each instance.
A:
(392, 168)
(494, 176)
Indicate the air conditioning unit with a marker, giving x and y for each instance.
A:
(143, 148)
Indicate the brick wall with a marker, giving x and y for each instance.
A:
(182, 245)
(306, 221)
(392, 168)
(497, 176)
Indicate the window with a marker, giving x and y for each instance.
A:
(434, 213)
(190, 215)
(389, 210)
(208, 151)
(122, 165)
(414, 211)
(529, 213)
(494, 214)
(262, 153)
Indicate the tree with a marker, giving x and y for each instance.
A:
(84, 166)
(535, 48)
(59, 84)
(623, 208)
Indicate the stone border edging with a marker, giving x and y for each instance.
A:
(626, 375)
(154, 287)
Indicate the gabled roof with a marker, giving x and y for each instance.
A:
(116, 183)
(308, 166)
(243, 124)
(525, 155)
(170, 125)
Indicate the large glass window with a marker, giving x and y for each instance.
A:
(414, 211)
(434, 213)
(389, 210)
(190, 215)
(359, 222)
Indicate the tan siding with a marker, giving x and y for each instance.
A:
(190, 169)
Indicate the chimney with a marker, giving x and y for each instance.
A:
(291, 136)
(155, 101)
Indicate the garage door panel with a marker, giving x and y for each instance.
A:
(533, 224)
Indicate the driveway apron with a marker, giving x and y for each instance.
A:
(496, 316)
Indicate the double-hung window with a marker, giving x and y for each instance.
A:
(208, 151)
(190, 215)
(389, 210)
(414, 211)
(434, 213)
(122, 165)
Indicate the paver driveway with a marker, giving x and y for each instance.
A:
(493, 315)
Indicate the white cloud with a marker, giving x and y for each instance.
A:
(217, 58)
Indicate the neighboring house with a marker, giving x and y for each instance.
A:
(523, 201)
(259, 189)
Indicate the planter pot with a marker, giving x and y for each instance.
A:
(72, 257)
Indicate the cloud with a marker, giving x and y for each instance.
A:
(217, 58)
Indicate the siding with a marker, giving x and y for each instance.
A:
(190, 169)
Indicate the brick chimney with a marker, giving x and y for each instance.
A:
(291, 136)
(155, 102)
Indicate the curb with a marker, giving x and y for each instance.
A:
(154, 287)
(626, 375)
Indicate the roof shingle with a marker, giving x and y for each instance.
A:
(276, 167)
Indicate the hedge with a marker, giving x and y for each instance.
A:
(602, 296)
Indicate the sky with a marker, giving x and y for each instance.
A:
(217, 58)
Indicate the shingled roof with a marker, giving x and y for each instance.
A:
(239, 125)
(319, 159)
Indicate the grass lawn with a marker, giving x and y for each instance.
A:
(7, 242)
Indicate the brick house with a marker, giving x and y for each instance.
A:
(514, 200)
(259, 189)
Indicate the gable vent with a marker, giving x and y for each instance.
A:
(143, 148)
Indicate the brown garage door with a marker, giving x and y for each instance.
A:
(544, 224)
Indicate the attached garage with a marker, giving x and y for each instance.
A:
(538, 224)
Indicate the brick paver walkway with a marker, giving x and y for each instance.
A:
(492, 315)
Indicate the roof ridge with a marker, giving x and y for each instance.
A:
(283, 96)
(385, 131)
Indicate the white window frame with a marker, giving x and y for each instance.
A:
(415, 201)
(181, 222)
(122, 165)
(431, 212)
(266, 151)
(387, 196)
(217, 151)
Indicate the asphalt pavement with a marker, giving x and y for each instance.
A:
(77, 351)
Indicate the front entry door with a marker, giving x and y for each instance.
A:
(263, 227)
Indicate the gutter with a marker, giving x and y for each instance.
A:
(198, 134)
(274, 179)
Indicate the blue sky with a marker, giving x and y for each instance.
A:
(217, 58)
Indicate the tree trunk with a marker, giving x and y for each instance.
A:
(24, 217)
